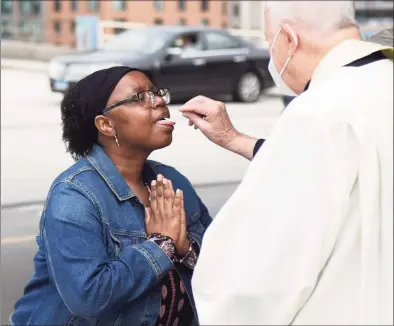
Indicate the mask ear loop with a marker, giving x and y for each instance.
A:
(289, 58)
(285, 65)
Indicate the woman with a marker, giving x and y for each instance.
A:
(111, 250)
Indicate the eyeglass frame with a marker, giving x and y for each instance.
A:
(134, 99)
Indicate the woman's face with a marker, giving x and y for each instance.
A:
(137, 123)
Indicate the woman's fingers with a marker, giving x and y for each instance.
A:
(168, 197)
(182, 212)
(177, 204)
(153, 196)
(160, 196)
(148, 215)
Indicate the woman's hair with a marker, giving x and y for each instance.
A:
(79, 130)
(82, 103)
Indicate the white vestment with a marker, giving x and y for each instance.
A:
(307, 238)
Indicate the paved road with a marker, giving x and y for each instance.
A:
(19, 227)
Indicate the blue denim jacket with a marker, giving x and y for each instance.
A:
(94, 265)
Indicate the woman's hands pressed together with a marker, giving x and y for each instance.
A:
(166, 214)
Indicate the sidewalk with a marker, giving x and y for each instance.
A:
(30, 65)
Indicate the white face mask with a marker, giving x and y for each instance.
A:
(276, 76)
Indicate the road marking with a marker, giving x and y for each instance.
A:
(17, 240)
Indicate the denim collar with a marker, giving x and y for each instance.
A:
(111, 175)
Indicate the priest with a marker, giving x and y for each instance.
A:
(307, 238)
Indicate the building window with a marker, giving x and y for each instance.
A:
(236, 10)
(118, 30)
(181, 21)
(57, 27)
(181, 5)
(159, 5)
(158, 21)
(73, 27)
(205, 22)
(6, 28)
(224, 8)
(93, 5)
(204, 5)
(30, 7)
(58, 5)
(6, 7)
(74, 5)
(30, 29)
(119, 5)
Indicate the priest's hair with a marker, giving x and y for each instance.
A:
(323, 16)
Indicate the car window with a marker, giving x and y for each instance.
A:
(217, 41)
(188, 42)
(139, 40)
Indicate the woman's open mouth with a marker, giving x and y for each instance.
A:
(165, 123)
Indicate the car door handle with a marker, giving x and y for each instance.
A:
(239, 58)
(199, 62)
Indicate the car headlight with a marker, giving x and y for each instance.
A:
(55, 69)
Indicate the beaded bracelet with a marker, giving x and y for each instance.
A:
(165, 243)
(190, 259)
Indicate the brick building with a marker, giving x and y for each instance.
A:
(60, 26)
(22, 20)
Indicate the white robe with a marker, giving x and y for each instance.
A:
(307, 238)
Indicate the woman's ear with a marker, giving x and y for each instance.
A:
(104, 126)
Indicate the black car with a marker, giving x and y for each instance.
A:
(187, 60)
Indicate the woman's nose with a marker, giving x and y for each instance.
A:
(158, 101)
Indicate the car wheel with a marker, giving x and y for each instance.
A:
(248, 88)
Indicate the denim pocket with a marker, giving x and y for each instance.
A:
(114, 245)
(127, 239)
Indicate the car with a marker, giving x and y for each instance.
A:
(188, 60)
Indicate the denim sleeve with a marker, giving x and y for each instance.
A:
(89, 281)
(205, 218)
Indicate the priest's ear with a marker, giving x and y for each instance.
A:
(292, 38)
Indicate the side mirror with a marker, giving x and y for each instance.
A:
(174, 53)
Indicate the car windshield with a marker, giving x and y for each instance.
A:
(140, 40)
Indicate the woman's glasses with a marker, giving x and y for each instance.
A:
(145, 97)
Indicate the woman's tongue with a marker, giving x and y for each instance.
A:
(166, 122)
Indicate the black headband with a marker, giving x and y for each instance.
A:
(95, 90)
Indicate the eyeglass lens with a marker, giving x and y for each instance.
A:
(149, 96)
